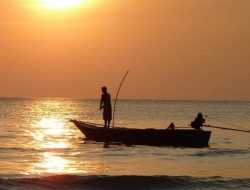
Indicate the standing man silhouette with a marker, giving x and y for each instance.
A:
(105, 104)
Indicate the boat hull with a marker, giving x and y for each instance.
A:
(153, 137)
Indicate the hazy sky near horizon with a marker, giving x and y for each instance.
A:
(174, 49)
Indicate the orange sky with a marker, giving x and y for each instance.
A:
(174, 49)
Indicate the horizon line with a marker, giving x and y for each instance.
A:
(136, 99)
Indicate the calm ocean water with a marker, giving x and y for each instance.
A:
(40, 149)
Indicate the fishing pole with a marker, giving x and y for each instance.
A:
(225, 128)
(87, 115)
(117, 96)
(225, 122)
(91, 113)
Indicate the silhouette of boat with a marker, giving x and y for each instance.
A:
(153, 137)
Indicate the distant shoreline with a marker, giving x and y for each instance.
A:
(122, 99)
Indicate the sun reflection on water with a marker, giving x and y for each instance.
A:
(52, 126)
(48, 134)
(52, 163)
(53, 139)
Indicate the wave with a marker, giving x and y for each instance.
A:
(19, 149)
(221, 152)
(75, 182)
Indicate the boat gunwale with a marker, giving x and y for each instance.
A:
(94, 127)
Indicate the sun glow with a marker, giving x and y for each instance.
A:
(62, 4)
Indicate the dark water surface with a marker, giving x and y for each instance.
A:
(40, 149)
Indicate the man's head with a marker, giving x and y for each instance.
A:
(104, 89)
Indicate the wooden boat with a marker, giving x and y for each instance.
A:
(154, 137)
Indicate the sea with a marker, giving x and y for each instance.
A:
(40, 149)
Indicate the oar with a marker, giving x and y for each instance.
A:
(225, 128)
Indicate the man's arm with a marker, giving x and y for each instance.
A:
(101, 102)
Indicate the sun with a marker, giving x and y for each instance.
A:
(62, 4)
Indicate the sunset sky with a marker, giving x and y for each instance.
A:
(174, 49)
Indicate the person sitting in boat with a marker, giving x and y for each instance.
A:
(198, 122)
(171, 126)
(105, 104)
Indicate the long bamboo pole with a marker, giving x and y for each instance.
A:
(116, 97)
